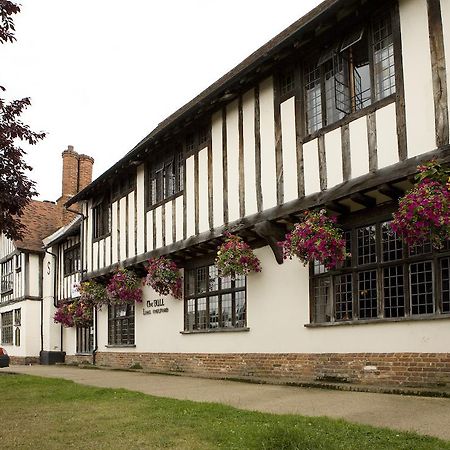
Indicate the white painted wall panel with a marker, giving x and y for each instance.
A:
(289, 141)
(149, 231)
(101, 253)
(359, 147)
(216, 137)
(268, 163)
(114, 233)
(233, 160)
(445, 12)
(140, 197)
(108, 251)
(122, 228)
(203, 190)
(88, 238)
(387, 144)
(169, 220)
(333, 156)
(417, 77)
(311, 166)
(248, 116)
(95, 256)
(179, 212)
(158, 222)
(131, 226)
(190, 197)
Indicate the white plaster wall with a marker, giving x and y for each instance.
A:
(203, 224)
(387, 147)
(333, 156)
(417, 77)
(311, 167)
(190, 197)
(289, 142)
(101, 253)
(140, 198)
(149, 230)
(114, 232)
(122, 228)
(268, 163)
(6, 246)
(88, 236)
(278, 309)
(217, 151)
(359, 147)
(445, 12)
(233, 160)
(158, 222)
(169, 219)
(131, 226)
(95, 255)
(248, 122)
(108, 251)
(34, 275)
(179, 215)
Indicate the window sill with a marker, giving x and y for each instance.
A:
(166, 200)
(216, 330)
(121, 346)
(83, 354)
(97, 239)
(376, 321)
(351, 117)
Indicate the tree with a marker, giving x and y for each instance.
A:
(16, 190)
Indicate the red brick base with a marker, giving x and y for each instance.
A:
(405, 369)
(78, 359)
(24, 360)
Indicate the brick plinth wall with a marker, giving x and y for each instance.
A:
(405, 369)
(78, 359)
(24, 360)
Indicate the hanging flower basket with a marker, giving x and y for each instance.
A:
(124, 287)
(164, 277)
(93, 293)
(235, 257)
(424, 212)
(316, 238)
(74, 314)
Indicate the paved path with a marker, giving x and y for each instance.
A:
(423, 415)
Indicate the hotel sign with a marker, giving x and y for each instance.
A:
(155, 307)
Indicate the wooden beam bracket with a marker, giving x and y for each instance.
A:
(272, 234)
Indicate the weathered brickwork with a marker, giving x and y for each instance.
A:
(23, 360)
(405, 369)
(78, 359)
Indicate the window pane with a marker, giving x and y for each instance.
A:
(383, 56)
(322, 300)
(190, 315)
(213, 278)
(394, 294)
(344, 297)
(367, 294)
(422, 288)
(337, 92)
(445, 284)
(240, 311)
(421, 249)
(201, 313)
(287, 82)
(366, 245)
(202, 280)
(225, 283)
(361, 73)
(227, 311)
(214, 312)
(313, 99)
(391, 243)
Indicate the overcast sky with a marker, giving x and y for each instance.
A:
(103, 73)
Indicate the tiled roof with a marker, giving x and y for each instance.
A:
(41, 219)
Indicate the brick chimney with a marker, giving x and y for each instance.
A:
(76, 175)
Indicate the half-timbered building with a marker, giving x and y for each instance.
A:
(26, 310)
(335, 112)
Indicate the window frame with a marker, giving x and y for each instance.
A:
(7, 277)
(102, 218)
(313, 57)
(177, 161)
(75, 267)
(354, 268)
(7, 329)
(207, 295)
(115, 324)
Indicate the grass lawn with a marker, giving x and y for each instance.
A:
(42, 413)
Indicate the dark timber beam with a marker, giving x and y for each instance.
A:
(391, 191)
(272, 234)
(338, 208)
(363, 200)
